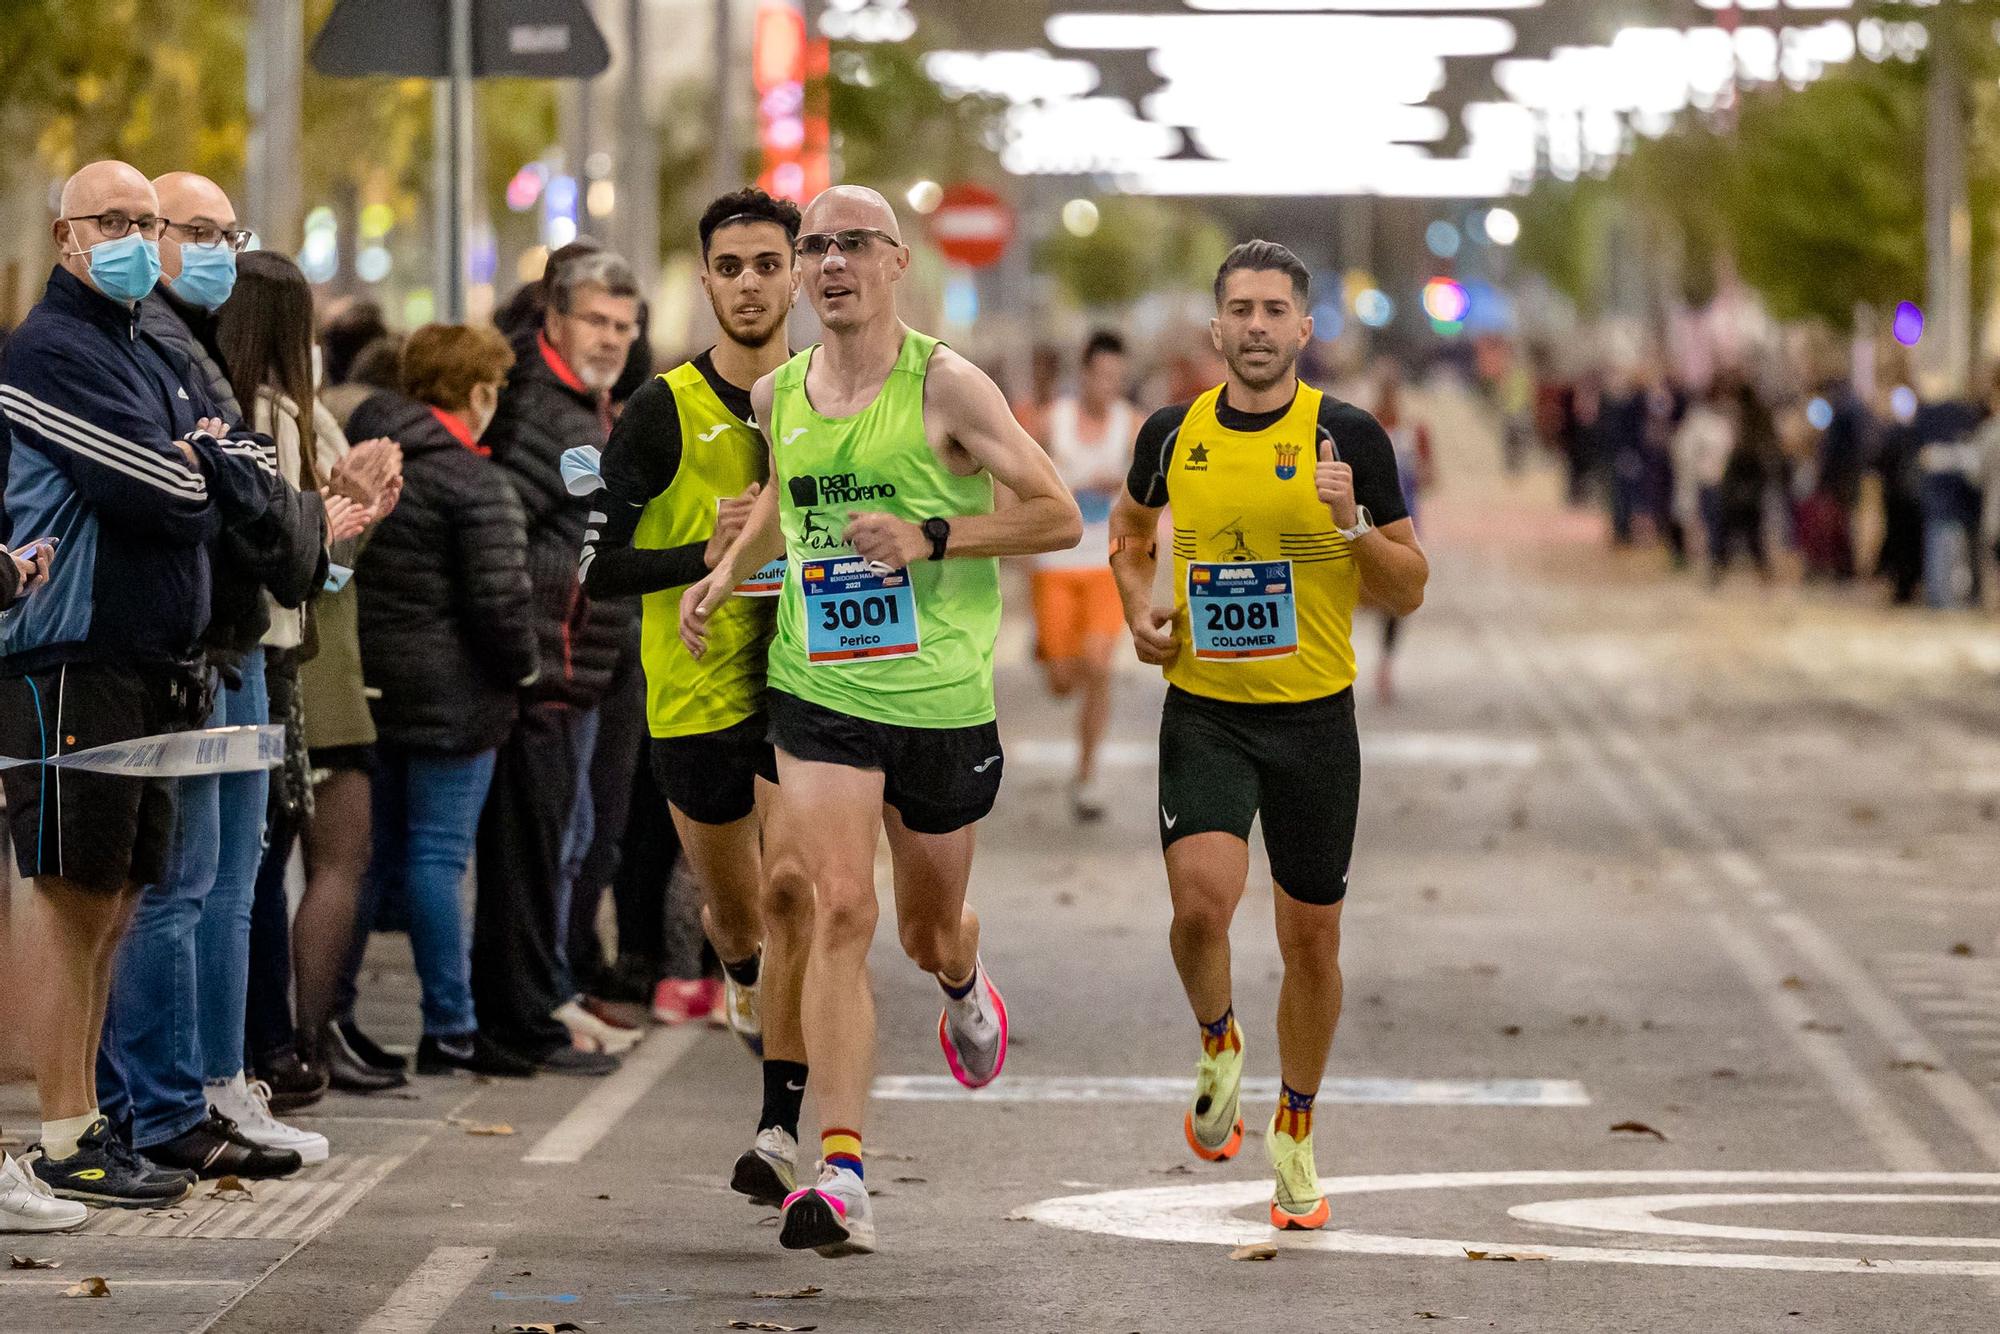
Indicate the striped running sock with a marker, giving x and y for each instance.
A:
(1295, 1112)
(1221, 1036)
(841, 1148)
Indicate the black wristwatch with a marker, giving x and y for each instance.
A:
(939, 532)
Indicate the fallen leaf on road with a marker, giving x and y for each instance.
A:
(769, 1325)
(1506, 1257)
(1989, 809)
(1518, 817)
(1177, 1170)
(1724, 1073)
(482, 1127)
(1817, 1026)
(89, 1287)
(560, 1327)
(1793, 983)
(232, 1189)
(770, 1220)
(166, 1213)
(1511, 1031)
(30, 1262)
(1486, 970)
(1637, 1128)
(1963, 949)
(1258, 1252)
(797, 1294)
(911, 1181)
(1925, 1066)
(522, 1273)
(1863, 814)
(1865, 1263)
(1433, 1315)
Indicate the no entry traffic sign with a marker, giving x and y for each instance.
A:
(972, 226)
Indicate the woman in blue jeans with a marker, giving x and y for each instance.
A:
(447, 641)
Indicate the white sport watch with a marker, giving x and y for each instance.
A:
(1361, 529)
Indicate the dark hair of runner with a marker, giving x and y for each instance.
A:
(1103, 341)
(750, 205)
(1264, 257)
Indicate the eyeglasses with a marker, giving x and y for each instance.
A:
(208, 234)
(117, 224)
(605, 324)
(851, 240)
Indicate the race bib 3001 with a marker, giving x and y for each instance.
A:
(855, 613)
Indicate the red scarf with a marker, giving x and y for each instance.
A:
(461, 432)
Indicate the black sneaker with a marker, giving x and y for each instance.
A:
(214, 1149)
(294, 1082)
(441, 1054)
(568, 1060)
(102, 1172)
(348, 1071)
(368, 1051)
(145, 1167)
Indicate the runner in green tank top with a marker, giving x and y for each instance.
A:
(681, 473)
(886, 448)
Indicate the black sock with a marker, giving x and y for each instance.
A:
(744, 971)
(784, 1091)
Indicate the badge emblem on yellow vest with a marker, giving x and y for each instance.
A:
(1288, 462)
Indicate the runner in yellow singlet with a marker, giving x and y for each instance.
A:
(886, 446)
(681, 473)
(1286, 511)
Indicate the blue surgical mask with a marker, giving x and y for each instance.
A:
(580, 474)
(208, 275)
(127, 268)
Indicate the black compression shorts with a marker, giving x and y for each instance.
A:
(712, 777)
(1223, 764)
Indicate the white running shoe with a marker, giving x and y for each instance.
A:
(586, 1030)
(973, 1032)
(767, 1172)
(833, 1217)
(739, 1005)
(26, 1205)
(248, 1104)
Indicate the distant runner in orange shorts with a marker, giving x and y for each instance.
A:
(1079, 620)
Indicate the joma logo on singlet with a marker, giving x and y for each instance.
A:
(838, 488)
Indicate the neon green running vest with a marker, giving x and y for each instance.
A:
(720, 455)
(879, 460)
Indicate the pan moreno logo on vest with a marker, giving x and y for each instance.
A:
(836, 488)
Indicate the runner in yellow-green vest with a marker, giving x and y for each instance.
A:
(887, 446)
(681, 473)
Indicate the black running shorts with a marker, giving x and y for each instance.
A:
(939, 779)
(1223, 764)
(100, 831)
(711, 777)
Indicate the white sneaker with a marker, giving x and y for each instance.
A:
(973, 1032)
(592, 1033)
(26, 1205)
(739, 1005)
(767, 1172)
(248, 1104)
(833, 1217)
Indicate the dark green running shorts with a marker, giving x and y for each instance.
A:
(1223, 764)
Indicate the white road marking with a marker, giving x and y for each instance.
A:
(1460, 750)
(1577, 727)
(1209, 1215)
(606, 1104)
(1172, 1089)
(424, 1297)
(1640, 1213)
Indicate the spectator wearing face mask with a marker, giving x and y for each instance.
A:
(116, 459)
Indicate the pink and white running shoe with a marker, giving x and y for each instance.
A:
(973, 1032)
(832, 1217)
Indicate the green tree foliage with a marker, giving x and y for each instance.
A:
(1141, 245)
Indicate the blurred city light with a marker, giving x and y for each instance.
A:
(1903, 403)
(925, 196)
(1443, 239)
(1374, 308)
(961, 300)
(601, 199)
(868, 21)
(376, 221)
(1819, 414)
(1329, 320)
(1080, 217)
(533, 260)
(372, 264)
(419, 308)
(524, 191)
(1908, 326)
(1503, 226)
(319, 257)
(1445, 301)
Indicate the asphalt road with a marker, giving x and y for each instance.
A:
(1673, 962)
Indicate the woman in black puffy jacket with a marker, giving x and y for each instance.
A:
(447, 640)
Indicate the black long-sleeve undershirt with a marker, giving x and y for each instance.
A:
(640, 461)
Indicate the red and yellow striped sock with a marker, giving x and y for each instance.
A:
(1295, 1112)
(841, 1148)
(1222, 1035)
